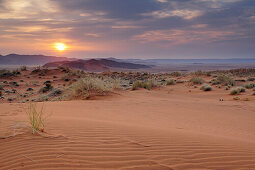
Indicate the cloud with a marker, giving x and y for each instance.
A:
(183, 13)
(179, 36)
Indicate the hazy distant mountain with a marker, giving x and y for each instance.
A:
(96, 65)
(16, 59)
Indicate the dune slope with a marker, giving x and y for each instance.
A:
(170, 128)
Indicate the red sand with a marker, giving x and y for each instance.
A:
(169, 128)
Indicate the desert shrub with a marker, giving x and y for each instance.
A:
(224, 80)
(36, 118)
(249, 85)
(176, 74)
(196, 80)
(206, 87)
(236, 98)
(46, 88)
(237, 90)
(6, 74)
(88, 87)
(1, 87)
(251, 79)
(14, 83)
(23, 68)
(147, 84)
(171, 82)
(1, 94)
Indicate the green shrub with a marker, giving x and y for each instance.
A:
(224, 80)
(236, 98)
(249, 85)
(88, 87)
(176, 74)
(171, 82)
(237, 90)
(196, 80)
(206, 87)
(148, 84)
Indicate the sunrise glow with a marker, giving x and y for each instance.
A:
(60, 46)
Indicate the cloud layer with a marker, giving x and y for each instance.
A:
(129, 29)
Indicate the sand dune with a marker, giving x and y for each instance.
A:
(168, 128)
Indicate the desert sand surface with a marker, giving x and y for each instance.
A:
(173, 127)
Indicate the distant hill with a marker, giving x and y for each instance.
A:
(96, 65)
(16, 59)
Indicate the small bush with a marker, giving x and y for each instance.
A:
(46, 88)
(176, 74)
(36, 118)
(6, 74)
(196, 80)
(236, 98)
(237, 90)
(224, 80)
(88, 87)
(206, 87)
(251, 79)
(171, 82)
(148, 84)
(23, 68)
(249, 85)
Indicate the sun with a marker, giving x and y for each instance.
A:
(60, 46)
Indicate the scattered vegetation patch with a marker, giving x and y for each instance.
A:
(171, 82)
(6, 74)
(87, 87)
(196, 80)
(206, 87)
(236, 98)
(48, 87)
(176, 74)
(249, 85)
(147, 84)
(237, 90)
(224, 80)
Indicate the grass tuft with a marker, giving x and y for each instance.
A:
(196, 80)
(36, 117)
(206, 87)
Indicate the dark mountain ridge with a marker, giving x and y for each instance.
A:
(96, 65)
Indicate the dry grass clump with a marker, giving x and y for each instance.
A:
(206, 87)
(237, 90)
(224, 80)
(196, 80)
(147, 84)
(88, 87)
(171, 82)
(36, 118)
(176, 74)
(249, 85)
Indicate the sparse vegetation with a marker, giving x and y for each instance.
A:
(46, 88)
(249, 85)
(176, 74)
(196, 80)
(87, 87)
(171, 82)
(36, 118)
(237, 90)
(206, 87)
(224, 80)
(148, 84)
(236, 98)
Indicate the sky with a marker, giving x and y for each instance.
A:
(171, 29)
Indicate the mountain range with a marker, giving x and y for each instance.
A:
(96, 65)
